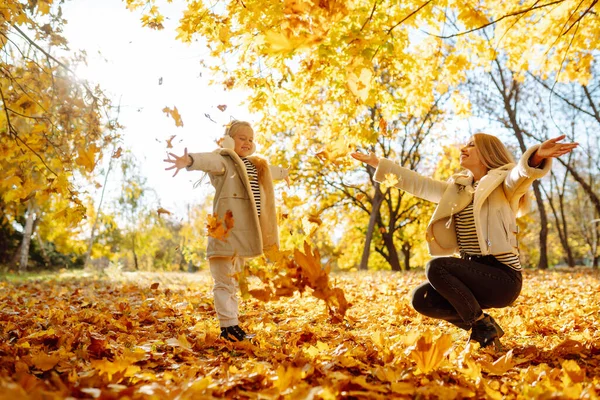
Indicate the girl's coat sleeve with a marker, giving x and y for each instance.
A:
(208, 162)
(411, 181)
(278, 173)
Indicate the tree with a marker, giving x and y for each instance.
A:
(50, 122)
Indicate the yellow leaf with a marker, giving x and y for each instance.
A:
(45, 362)
(174, 113)
(429, 354)
(360, 84)
(500, 366)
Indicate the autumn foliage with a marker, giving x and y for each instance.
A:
(148, 336)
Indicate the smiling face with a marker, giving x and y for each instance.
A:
(244, 141)
(469, 156)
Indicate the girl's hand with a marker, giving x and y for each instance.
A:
(370, 159)
(551, 148)
(178, 162)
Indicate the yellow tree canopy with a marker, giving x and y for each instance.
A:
(315, 67)
(51, 128)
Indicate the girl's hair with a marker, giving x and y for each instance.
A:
(234, 127)
(492, 152)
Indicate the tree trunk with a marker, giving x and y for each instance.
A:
(376, 204)
(406, 247)
(543, 235)
(135, 260)
(24, 256)
(392, 258)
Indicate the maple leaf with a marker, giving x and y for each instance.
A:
(174, 113)
(117, 153)
(217, 228)
(500, 366)
(429, 354)
(222, 107)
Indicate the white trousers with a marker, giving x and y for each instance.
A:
(225, 288)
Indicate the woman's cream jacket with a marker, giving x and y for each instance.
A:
(495, 202)
(250, 234)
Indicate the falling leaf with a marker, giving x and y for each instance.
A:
(170, 142)
(117, 153)
(222, 107)
(174, 113)
(217, 228)
(161, 211)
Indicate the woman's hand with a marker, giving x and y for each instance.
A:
(370, 159)
(178, 162)
(551, 148)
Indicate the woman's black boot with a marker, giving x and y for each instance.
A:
(486, 331)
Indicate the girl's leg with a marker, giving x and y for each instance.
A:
(459, 289)
(223, 270)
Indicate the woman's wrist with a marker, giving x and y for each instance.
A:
(191, 161)
(535, 160)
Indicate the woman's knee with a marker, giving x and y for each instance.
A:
(435, 267)
(419, 299)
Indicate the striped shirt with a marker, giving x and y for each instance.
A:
(468, 243)
(253, 178)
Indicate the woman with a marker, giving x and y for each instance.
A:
(476, 219)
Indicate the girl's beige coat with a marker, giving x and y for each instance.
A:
(495, 203)
(250, 234)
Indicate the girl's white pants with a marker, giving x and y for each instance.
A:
(223, 270)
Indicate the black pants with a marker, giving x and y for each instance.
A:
(457, 289)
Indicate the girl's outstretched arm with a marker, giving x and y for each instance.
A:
(178, 162)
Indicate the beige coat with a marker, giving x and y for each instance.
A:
(250, 234)
(495, 203)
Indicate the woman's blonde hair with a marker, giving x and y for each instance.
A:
(233, 127)
(492, 152)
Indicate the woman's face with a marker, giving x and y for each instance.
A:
(469, 157)
(244, 139)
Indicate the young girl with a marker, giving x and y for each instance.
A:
(243, 187)
(476, 219)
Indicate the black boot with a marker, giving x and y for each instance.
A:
(234, 334)
(486, 331)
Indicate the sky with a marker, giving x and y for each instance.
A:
(145, 70)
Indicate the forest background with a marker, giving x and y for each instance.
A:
(410, 81)
(82, 183)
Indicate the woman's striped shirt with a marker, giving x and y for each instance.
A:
(468, 242)
(253, 178)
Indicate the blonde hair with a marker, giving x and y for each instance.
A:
(492, 152)
(235, 125)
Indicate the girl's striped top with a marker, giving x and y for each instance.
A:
(468, 242)
(253, 178)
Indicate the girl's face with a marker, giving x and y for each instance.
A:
(244, 140)
(469, 158)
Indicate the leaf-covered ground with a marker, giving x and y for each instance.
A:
(155, 336)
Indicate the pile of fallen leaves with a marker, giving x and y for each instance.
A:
(155, 336)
